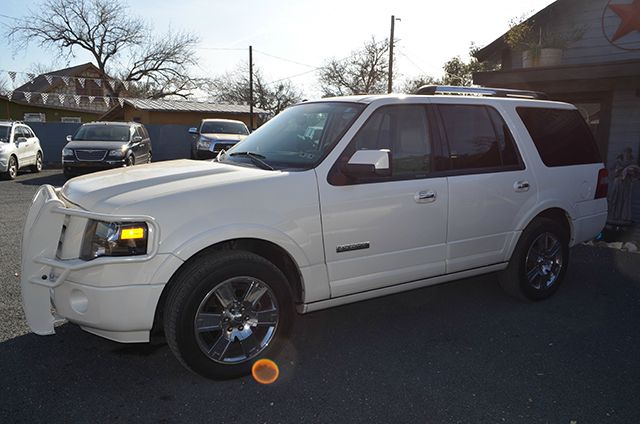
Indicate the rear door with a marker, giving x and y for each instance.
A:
(490, 187)
(384, 231)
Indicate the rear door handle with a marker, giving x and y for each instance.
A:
(521, 186)
(425, 196)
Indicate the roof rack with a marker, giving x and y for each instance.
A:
(481, 92)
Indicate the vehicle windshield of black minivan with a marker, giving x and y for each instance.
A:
(221, 127)
(102, 133)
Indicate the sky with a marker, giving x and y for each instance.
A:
(291, 38)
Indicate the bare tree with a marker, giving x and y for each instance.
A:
(157, 66)
(411, 85)
(365, 71)
(233, 87)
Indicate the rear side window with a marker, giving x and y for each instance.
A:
(561, 136)
(478, 138)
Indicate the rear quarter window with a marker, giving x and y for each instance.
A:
(561, 136)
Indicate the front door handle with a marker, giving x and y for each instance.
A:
(425, 196)
(521, 186)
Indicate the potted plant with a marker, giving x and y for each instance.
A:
(539, 47)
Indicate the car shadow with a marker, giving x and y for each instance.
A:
(456, 352)
(54, 177)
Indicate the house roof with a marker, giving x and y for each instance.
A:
(40, 84)
(48, 106)
(497, 45)
(188, 106)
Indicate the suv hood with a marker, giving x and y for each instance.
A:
(224, 137)
(96, 145)
(133, 189)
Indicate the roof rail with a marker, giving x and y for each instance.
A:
(481, 91)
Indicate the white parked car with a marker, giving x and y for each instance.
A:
(215, 135)
(19, 148)
(394, 193)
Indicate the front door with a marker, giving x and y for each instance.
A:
(385, 231)
(21, 140)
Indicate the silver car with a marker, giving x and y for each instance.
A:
(19, 148)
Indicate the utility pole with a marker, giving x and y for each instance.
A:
(250, 88)
(393, 23)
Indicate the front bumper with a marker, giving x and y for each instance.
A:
(72, 166)
(50, 294)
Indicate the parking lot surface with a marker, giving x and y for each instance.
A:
(456, 353)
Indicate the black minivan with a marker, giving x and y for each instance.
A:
(103, 145)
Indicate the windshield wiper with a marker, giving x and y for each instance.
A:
(256, 158)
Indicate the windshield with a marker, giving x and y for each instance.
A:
(102, 133)
(219, 127)
(5, 132)
(300, 137)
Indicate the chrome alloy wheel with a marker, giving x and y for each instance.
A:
(13, 168)
(236, 320)
(544, 261)
(38, 163)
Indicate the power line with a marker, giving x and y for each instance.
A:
(285, 59)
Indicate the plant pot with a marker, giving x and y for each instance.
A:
(546, 57)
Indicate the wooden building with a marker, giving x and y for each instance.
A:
(589, 55)
(585, 52)
(180, 112)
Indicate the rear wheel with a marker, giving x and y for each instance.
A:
(539, 261)
(225, 311)
(149, 157)
(12, 169)
(37, 167)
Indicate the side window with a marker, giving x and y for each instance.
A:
(17, 133)
(144, 132)
(472, 140)
(561, 136)
(403, 130)
(28, 132)
(507, 145)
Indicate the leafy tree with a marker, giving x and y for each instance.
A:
(156, 65)
(459, 72)
(365, 71)
(233, 87)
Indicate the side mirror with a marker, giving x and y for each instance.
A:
(193, 130)
(369, 163)
(136, 139)
(69, 138)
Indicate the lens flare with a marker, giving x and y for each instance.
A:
(265, 371)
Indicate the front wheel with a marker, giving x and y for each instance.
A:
(539, 261)
(225, 311)
(130, 161)
(12, 169)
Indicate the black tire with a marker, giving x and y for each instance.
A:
(38, 166)
(12, 169)
(545, 270)
(130, 161)
(195, 284)
(149, 157)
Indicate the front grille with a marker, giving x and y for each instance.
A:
(91, 155)
(223, 146)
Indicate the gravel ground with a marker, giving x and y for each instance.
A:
(455, 353)
(15, 197)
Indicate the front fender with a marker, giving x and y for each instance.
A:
(217, 235)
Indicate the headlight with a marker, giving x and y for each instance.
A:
(204, 143)
(114, 239)
(67, 152)
(116, 153)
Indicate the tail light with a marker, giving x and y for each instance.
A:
(603, 184)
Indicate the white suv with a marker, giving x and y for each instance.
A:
(385, 194)
(19, 148)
